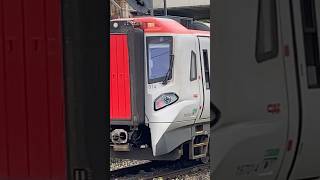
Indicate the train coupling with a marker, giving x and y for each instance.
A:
(119, 136)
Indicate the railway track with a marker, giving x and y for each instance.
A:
(165, 170)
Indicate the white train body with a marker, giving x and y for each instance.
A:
(266, 84)
(176, 92)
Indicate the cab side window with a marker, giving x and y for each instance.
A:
(193, 66)
(206, 67)
(267, 31)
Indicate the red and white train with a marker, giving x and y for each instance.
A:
(159, 89)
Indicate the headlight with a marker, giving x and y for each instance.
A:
(165, 100)
(115, 25)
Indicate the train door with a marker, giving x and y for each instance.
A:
(306, 18)
(204, 51)
(189, 72)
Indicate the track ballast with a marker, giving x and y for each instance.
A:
(155, 169)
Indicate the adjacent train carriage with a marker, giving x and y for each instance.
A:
(159, 89)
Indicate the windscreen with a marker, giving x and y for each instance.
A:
(159, 54)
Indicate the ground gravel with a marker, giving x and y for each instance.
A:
(123, 163)
(201, 175)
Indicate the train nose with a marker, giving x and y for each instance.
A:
(119, 136)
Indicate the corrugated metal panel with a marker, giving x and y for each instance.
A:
(120, 96)
(55, 90)
(16, 114)
(32, 139)
(3, 118)
(36, 89)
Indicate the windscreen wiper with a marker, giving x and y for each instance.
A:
(169, 72)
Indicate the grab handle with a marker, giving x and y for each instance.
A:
(215, 110)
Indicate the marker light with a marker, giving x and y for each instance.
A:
(150, 25)
(165, 100)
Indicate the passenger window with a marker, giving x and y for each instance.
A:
(193, 66)
(267, 33)
(311, 44)
(206, 68)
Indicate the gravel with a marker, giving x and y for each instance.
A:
(201, 175)
(123, 163)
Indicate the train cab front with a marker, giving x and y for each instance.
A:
(155, 82)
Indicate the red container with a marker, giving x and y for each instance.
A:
(120, 96)
(127, 66)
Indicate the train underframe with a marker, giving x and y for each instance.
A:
(129, 142)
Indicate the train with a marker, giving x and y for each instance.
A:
(159, 88)
(267, 87)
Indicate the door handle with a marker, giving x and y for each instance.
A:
(214, 110)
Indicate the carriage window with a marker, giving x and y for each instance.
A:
(159, 50)
(267, 34)
(193, 67)
(206, 68)
(311, 44)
